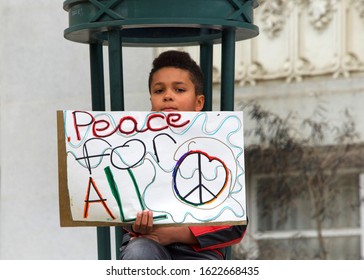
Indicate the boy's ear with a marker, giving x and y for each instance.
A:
(200, 101)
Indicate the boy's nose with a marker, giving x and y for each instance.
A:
(168, 95)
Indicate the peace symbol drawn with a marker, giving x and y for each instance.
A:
(202, 191)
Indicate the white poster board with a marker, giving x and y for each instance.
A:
(187, 167)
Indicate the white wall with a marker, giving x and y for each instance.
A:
(40, 73)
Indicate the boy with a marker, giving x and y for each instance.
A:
(176, 84)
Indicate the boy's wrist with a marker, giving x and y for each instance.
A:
(130, 230)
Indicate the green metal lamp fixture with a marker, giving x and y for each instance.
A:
(159, 22)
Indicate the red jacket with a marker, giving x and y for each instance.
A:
(217, 237)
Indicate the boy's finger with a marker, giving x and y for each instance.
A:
(150, 220)
(145, 218)
(137, 224)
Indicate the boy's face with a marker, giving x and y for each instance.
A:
(172, 90)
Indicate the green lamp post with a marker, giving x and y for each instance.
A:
(153, 23)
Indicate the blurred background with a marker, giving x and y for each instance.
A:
(300, 84)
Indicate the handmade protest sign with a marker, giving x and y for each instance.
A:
(187, 167)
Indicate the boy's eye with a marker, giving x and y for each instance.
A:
(158, 91)
(180, 90)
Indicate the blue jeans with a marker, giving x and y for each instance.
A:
(146, 249)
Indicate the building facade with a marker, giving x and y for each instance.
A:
(306, 65)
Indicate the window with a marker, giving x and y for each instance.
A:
(288, 222)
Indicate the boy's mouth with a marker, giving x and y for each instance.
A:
(169, 109)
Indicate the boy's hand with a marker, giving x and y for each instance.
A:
(163, 235)
(144, 222)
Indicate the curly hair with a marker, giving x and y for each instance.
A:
(180, 60)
